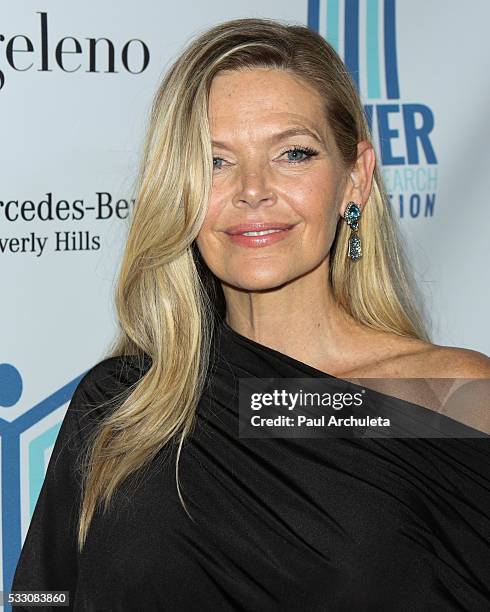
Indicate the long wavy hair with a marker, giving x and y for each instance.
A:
(166, 298)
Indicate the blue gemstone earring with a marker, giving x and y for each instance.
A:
(352, 215)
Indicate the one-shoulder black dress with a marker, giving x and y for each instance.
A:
(280, 524)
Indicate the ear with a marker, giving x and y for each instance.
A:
(360, 177)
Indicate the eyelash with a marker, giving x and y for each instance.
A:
(308, 151)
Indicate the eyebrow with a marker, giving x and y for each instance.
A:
(294, 131)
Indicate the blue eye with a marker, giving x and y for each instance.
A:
(305, 150)
(215, 158)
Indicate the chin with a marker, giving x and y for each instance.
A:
(258, 282)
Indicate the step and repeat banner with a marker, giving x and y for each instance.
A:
(76, 84)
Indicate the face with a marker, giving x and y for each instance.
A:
(263, 176)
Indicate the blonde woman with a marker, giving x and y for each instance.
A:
(262, 246)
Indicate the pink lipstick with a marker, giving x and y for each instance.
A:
(258, 234)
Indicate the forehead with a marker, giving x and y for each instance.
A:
(259, 100)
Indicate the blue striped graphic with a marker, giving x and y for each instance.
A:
(313, 20)
(351, 39)
(391, 69)
(374, 46)
(37, 467)
(372, 49)
(333, 24)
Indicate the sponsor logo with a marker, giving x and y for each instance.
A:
(68, 54)
(26, 446)
(363, 32)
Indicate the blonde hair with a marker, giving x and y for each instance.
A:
(167, 299)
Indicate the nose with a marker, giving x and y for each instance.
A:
(253, 187)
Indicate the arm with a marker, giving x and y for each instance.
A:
(49, 556)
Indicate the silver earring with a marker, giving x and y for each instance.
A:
(352, 215)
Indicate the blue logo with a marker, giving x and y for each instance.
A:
(364, 35)
(26, 446)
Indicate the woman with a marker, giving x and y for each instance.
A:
(257, 127)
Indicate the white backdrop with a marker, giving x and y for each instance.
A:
(75, 136)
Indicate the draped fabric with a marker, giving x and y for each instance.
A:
(278, 524)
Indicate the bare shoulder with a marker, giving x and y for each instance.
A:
(466, 398)
(411, 357)
(451, 380)
(381, 354)
(452, 362)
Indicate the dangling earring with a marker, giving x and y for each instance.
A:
(352, 215)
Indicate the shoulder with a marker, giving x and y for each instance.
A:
(123, 369)
(115, 372)
(106, 383)
(436, 361)
(467, 391)
(452, 380)
(393, 356)
(399, 356)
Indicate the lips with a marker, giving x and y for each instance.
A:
(256, 227)
(273, 233)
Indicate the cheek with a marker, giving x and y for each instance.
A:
(318, 191)
(318, 207)
(206, 239)
(203, 243)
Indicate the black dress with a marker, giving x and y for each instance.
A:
(280, 524)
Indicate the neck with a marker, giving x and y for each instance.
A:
(300, 318)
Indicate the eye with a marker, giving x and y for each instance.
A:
(307, 151)
(215, 167)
